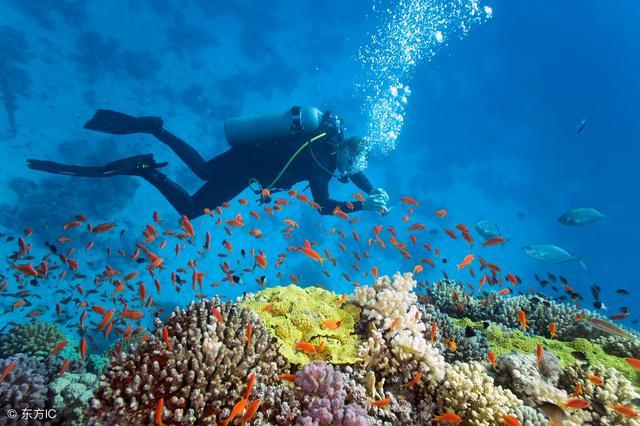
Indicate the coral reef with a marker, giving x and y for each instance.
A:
(395, 332)
(72, 394)
(37, 339)
(324, 398)
(294, 314)
(27, 386)
(200, 370)
(470, 392)
(615, 390)
(504, 341)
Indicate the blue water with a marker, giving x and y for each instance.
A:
(489, 129)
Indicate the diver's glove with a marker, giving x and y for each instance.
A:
(377, 201)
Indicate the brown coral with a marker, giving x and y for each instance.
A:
(200, 377)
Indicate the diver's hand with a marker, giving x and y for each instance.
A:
(381, 192)
(376, 202)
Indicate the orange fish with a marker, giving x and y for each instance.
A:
(510, 420)
(578, 390)
(57, 348)
(451, 233)
(634, 362)
(434, 331)
(625, 411)
(103, 227)
(83, 349)
(374, 272)
(165, 337)
(522, 317)
(577, 403)
(441, 213)
(8, 369)
(418, 269)
(306, 347)
(261, 260)
(339, 213)
(596, 380)
(553, 329)
(159, 412)
(466, 261)
(132, 315)
(217, 314)
(504, 291)
(394, 324)
(250, 382)
(539, 352)
(342, 299)
(249, 334)
(311, 253)
(494, 241)
(448, 418)
(380, 402)
(63, 368)
(416, 379)
(331, 325)
(410, 201)
(251, 411)
(492, 359)
(288, 377)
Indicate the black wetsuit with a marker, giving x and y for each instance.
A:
(228, 174)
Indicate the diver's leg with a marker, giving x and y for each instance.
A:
(174, 193)
(186, 152)
(118, 123)
(132, 166)
(210, 195)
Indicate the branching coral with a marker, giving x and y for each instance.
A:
(615, 390)
(295, 314)
(395, 331)
(73, 392)
(324, 398)
(200, 375)
(469, 392)
(26, 387)
(36, 338)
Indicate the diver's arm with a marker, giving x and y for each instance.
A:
(361, 181)
(320, 194)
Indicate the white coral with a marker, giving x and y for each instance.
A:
(396, 334)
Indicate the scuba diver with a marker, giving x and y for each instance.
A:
(268, 153)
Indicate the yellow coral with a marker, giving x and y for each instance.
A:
(296, 314)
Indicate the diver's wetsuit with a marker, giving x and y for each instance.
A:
(228, 174)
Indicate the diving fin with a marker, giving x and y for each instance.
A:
(118, 123)
(134, 166)
(137, 165)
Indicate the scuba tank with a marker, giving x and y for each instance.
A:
(298, 122)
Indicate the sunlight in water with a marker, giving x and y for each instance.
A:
(408, 34)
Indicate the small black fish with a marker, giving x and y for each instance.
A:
(635, 401)
(598, 407)
(236, 279)
(141, 260)
(595, 291)
(486, 324)
(598, 304)
(554, 412)
(552, 277)
(564, 280)
(581, 126)
(444, 260)
(554, 288)
(580, 356)
(10, 238)
(469, 331)
(624, 310)
(622, 291)
(243, 252)
(537, 277)
(122, 233)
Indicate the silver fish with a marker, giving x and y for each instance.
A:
(580, 216)
(487, 229)
(550, 253)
